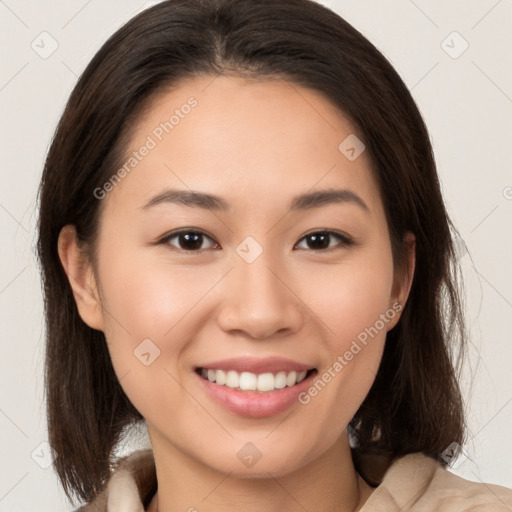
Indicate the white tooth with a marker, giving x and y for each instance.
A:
(301, 376)
(280, 380)
(247, 381)
(265, 382)
(220, 377)
(232, 379)
(291, 378)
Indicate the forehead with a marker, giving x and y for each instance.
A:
(231, 136)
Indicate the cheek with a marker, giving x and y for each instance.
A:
(148, 297)
(149, 318)
(151, 299)
(350, 298)
(353, 303)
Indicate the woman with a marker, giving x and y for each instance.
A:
(244, 245)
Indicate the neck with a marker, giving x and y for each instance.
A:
(328, 483)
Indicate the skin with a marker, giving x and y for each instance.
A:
(257, 144)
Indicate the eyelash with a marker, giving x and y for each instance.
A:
(345, 240)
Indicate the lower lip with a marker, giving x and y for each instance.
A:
(253, 404)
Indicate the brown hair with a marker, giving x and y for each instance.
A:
(415, 403)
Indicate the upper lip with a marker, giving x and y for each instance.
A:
(257, 365)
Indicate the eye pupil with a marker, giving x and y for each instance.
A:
(319, 240)
(187, 237)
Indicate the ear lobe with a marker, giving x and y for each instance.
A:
(403, 282)
(80, 274)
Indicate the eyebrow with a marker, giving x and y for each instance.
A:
(212, 202)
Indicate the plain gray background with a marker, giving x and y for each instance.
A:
(465, 96)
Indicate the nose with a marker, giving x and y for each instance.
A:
(259, 300)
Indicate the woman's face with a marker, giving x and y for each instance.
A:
(253, 279)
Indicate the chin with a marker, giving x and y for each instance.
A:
(250, 463)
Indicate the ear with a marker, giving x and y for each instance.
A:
(403, 282)
(80, 274)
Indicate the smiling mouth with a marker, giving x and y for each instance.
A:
(248, 381)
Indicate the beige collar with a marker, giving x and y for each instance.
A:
(413, 482)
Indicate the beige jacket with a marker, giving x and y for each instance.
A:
(414, 483)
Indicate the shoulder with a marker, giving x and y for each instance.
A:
(417, 482)
(131, 483)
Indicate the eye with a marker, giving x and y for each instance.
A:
(320, 240)
(191, 241)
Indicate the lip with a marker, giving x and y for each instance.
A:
(253, 404)
(257, 365)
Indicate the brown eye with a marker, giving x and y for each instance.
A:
(192, 241)
(321, 240)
